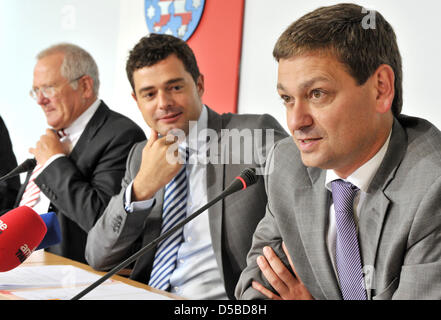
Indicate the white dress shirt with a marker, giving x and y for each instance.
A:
(73, 132)
(197, 274)
(361, 178)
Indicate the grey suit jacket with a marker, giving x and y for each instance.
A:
(117, 234)
(399, 224)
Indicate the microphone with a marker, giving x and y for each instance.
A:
(21, 231)
(53, 234)
(247, 178)
(27, 165)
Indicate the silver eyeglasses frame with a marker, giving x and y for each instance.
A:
(50, 91)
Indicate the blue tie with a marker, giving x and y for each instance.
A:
(347, 251)
(174, 210)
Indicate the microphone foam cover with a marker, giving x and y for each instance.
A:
(249, 176)
(21, 231)
(53, 234)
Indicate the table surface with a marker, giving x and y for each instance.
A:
(43, 258)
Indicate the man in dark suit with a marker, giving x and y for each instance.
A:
(354, 208)
(81, 158)
(8, 188)
(208, 253)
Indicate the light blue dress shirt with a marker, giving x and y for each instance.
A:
(197, 274)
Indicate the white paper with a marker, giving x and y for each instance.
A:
(45, 276)
(110, 291)
(63, 282)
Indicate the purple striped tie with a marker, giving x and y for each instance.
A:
(347, 252)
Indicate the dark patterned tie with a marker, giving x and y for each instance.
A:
(347, 252)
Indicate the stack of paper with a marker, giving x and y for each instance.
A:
(61, 282)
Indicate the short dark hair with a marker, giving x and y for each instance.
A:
(341, 30)
(157, 47)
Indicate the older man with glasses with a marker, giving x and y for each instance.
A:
(81, 157)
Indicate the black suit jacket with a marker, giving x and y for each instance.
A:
(80, 186)
(10, 187)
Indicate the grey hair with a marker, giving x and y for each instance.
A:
(77, 63)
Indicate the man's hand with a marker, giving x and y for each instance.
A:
(48, 145)
(287, 285)
(156, 168)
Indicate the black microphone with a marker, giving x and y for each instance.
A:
(247, 178)
(27, 165)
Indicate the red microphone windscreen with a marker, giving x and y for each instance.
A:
(21, 231)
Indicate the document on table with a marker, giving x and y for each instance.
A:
(61, 282)
(110, 291)
(45, 276)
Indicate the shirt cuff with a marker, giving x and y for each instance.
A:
(53, 158)
(49, 161)
(130, 206)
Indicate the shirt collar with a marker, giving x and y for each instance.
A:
(78, 126)
(197, 133)
(362, 177)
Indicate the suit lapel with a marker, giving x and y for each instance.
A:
(376, 203)
(215, 185)
(311, 210)
(95, 123)
(370, 227)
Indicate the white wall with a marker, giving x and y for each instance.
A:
(28, 26)
(416, 24)
(108, 29)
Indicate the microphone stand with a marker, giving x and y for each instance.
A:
(152, 244)
(27, 165)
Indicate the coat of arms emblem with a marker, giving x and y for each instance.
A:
(179, 18)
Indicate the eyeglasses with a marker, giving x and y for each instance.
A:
(49, 91)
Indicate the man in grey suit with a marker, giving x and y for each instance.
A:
(210, 252)
(354, 208)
